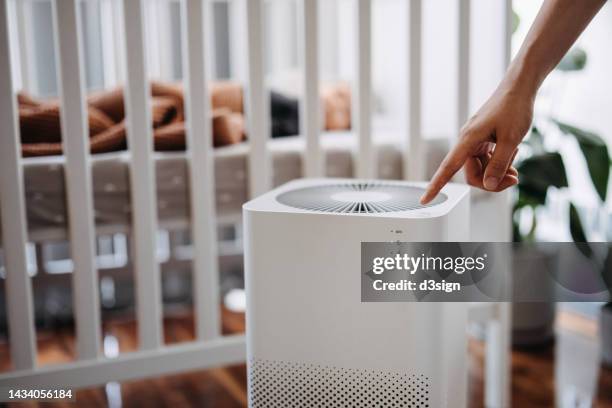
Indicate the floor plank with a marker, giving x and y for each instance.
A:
(533, 371)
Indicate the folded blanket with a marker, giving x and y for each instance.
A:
(41, 131)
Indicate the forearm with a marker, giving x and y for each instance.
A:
(555, 29)
(489, 140)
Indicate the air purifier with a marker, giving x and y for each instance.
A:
(311, 342)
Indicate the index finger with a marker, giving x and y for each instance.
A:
(451, 164)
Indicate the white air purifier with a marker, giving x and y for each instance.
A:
(311, 342)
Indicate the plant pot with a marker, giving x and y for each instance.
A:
(533, 322)
(605, 330)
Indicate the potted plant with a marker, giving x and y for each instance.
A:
(541, 168)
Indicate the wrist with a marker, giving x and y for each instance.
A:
(523, 76)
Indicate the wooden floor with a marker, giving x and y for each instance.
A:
(532, 372)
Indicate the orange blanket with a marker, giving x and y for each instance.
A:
(41, 132)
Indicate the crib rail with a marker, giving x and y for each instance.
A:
(362, 117)
(140, 143)
(258, 112)
(203, 225)
(12, 200)
(414, 169)
(210, 347)
(78, 177)
(311, 124)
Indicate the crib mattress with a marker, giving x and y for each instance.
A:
(45, 188)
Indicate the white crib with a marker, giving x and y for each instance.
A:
(211, 348)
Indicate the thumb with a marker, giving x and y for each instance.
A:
(498, 165)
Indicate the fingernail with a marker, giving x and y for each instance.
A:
(491, 183)
(422, 200)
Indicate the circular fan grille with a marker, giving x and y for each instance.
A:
(357, 197)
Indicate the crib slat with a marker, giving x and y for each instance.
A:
(28, 79)
(507, 17)
(414, 163)
(463, 65)
(258, 102)
(311, 124)
(153, 29)
(237, 41)
(199, 143)
(12, 206)
(142, 176)
(363, 91)
(107, 32)
(75, 142)
(498, 342)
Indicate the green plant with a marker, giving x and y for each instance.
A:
(574, 60)
(544, 169)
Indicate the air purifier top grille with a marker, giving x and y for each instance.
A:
(357, 198)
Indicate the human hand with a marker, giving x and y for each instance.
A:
(488, 142)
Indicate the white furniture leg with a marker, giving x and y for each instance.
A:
(497, 358)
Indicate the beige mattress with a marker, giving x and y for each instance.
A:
(45, 189)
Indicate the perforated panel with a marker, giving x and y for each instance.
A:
(279, 384)
(357, 197)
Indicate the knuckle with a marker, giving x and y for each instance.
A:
(470, 127)
(464, 145)
(466, 131)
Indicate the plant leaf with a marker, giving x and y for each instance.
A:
(516, 232)
(574, 60)
(577, 232)
(516, 21)
(539, 172)
(595, 153)
(576, 225)
(531, 195)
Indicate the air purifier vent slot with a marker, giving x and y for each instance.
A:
(357, 198)
(281, 384)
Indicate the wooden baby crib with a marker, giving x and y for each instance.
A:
(210, 348)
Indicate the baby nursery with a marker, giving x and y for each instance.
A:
(177, 178)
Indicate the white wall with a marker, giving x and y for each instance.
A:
(389, 59)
